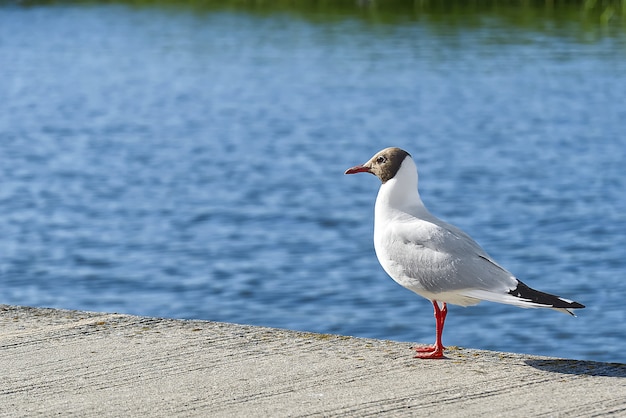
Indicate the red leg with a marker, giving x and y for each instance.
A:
(436, 350)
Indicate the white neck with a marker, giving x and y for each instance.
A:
(400, 192)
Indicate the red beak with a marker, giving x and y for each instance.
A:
(358, 169)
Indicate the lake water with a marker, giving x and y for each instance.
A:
(188, 163)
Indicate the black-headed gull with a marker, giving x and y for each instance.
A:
(435, 259)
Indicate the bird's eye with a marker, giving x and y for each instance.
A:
(381, 159)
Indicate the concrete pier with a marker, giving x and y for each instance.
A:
(70, 363)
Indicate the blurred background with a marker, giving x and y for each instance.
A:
(186, 159)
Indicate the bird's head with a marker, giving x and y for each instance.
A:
(384, 164)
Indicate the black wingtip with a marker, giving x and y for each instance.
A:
(524, 292)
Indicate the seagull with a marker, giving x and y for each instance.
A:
(434, 259)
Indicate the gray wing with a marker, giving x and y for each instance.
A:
(443, 258)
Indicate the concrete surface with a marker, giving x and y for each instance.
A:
(69, 363)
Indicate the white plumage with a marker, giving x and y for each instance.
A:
(433, 258)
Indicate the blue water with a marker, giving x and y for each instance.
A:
(164, 162)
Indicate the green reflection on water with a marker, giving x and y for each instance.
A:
(544, 15)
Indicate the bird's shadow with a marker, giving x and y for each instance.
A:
(579, 367)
